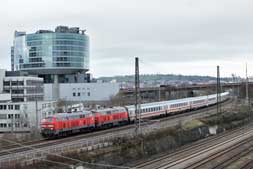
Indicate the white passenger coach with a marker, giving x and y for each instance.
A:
(173, 106)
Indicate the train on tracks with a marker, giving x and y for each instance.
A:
(64, 124)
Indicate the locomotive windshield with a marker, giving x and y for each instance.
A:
(49, 119)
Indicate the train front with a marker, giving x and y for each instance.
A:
(48, 127)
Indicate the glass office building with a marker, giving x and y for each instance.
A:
(63, 51)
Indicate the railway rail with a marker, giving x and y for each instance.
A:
(225, 157)
(194, 156)
(247, 165)
(85, 141)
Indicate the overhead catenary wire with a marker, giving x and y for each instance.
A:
(65, 157)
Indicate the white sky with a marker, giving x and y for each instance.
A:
(169, 36)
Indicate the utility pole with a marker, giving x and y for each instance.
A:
(137, 96)
(218, 90)
(247, 86)
(36, 111)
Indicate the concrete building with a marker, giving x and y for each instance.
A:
(21, 88)
(24, 89)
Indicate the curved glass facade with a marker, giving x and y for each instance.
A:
(51, 51)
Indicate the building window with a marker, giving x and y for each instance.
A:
(3, 116)
(78, 94)
(3, 107)
(74, 94)
(17, 116)
(88, 93)
(18, 91)
(6, 83)
(10, 116)
(14, 83)
(3, 125)
(10, 107)
(17, 107)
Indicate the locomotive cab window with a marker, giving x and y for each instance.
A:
(49, 119)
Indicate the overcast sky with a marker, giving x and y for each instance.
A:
(169, 36)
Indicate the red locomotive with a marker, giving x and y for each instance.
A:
(111, 117)
(63, 124)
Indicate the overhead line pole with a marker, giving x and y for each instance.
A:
(137, 95)
(247, 86)
(218, 89)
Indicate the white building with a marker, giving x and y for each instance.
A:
(82, 91)
(21, 105)
(23, 116)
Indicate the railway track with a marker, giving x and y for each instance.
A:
(225, 157)
(247, 165)
(182, 157)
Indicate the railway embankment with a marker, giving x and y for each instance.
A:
(125, 151)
